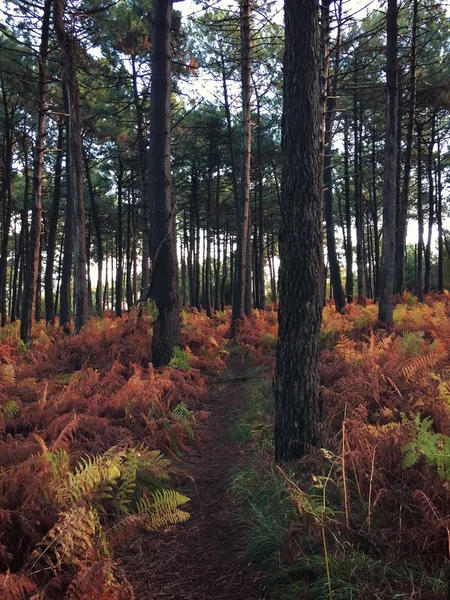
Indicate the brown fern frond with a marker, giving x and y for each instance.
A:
(16, 587)
(68, 542)
(90, 582)
(66, 435)
(419, 363)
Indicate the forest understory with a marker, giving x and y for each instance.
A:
(121, 481)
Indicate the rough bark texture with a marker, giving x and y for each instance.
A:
(330, 92)
(402, 209)
(301, 260)
(244, 199)
(144, 180)
(52, 230)
(420, 245)
(164, 276)
(69, 52)
(32, 267)
(386, 306)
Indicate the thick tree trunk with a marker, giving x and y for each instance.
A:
(301, 260)
(244, 197)
(386, 305)
(164, 277)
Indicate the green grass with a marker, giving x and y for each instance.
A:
(287, 544)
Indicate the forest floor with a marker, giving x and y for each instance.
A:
(203, 558)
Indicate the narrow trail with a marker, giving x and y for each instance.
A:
(203, 558)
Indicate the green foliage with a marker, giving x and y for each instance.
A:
(162, 509)
(256, 423)
(411, 343)
(185, 417)
(9, 409)
(433, 447)
(180, 360)
(149, 308)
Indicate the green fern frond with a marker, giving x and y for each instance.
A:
(9, 410)
(433, 447)
(62, 378)
(161, 509)
(92, 474)
(180, 360)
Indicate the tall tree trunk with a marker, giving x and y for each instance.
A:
(431, 202)
(259, 240)
(32, 267)
(439, 219)
(358, 200)
(164, 277)
(329, 103)
(144, 180)
(217, 272)
(224, 270)
(6, 196)
(402, 209)
(229, 130)
(248, 301)
(420, 245)
(66, 273)
(244, 198)
(301, 261)
(386, 305)
(52, 230)
(69, 51)
(119, 263)
(376, 237)
(207, 291)
(348, 217)
(98, 238)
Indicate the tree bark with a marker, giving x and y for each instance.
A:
(52, 230)
(238, 307)
(431, 203)
(144, 180)
(386, 305)
(330, 91)
(119, 263)
(32, 266)
(402, 209)
(419, 287)
(98, 238)
(301, 261)
(69, 50)
(164, 277)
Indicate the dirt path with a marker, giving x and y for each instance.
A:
(203, 559)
